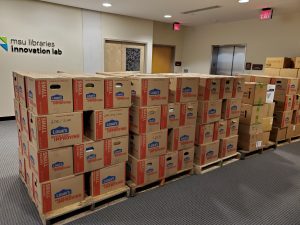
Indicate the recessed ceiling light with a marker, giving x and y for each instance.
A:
(243, 1)
(167, 16)
(106, 4)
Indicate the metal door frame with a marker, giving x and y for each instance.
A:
(226, 45)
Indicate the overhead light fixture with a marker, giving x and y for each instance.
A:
(106, 4)
(168, 16)
(244, 1)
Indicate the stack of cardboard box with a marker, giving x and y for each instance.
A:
(58, 164)
(181, 120)
(286, 103)
(218, 117)
(148, 138)
(282, 67)
(251, 131)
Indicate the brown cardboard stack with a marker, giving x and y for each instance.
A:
(56, 160)
(286, 108)
(148, 137)
(218, 117)
(251, 131)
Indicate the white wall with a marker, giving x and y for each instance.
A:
(163, 34)
(79, 33)
(277, 37)
(44, 22)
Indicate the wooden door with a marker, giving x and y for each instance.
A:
(112, 57)
(162, 59)
(121, 57)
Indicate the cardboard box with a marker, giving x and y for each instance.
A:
(238, 87)
(231, 108)
(296, 117)
(183, 89)
(207, 153)
(278, 62)
(267, 124)
(51, 164)
(285, 105)
(108, 179)
(88, 92)
(251, 114)
(24, 120)
(145, 119)
(297, 63)
(17, 108)
(250, 142)
(285, 86)
(171, 164)
(278, 134)
(57, 130)
(15, 83)
(206, 133)
(186, 159)
(282, 119)
(106, 123)
(266, 138)
(116, 150)
(222, 129)
(289, 73)
(268, 109)
(21, 164)
(88, 156)
(29, 179)
(255, 93)
(270, 93)
(149, 90)
(173, 119)
(251, 129)
(232, 127)
(209, 111)
(181, 138)
(20, 87)
(146, 171)
(148, 145)
(117, 91)
(261, 79)
(209, 88)
(25, 145)
(228, 146)
(49, 94)
(293, 131)
(226, 90)
(296, 102)
(273, 72)
(56, 194)
(188, 113)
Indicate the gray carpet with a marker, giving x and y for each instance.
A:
(263, 189)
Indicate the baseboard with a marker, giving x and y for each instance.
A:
(7, 118)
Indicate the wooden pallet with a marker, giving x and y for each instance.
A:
(231, 159)
(86, 207)
(270, 145)
(180, 175)
(245, 153)
(135, 189)
(295, 139)
(283, 142)
(207, 167)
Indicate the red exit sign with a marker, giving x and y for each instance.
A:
(266, 14)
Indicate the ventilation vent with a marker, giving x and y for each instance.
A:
(201, 10)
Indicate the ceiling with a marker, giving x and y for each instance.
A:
(230, 10)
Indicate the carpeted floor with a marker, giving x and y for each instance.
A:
(263, 189)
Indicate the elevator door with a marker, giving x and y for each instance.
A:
(228, 60)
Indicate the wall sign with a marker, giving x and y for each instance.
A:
(178, 63)
(248, 66)
(29, 46)
(257, 67)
